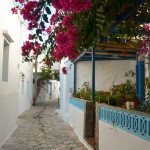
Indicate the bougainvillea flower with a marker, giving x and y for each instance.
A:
(64, 70)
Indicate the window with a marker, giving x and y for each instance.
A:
(5, 61)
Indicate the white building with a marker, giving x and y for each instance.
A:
(49, 90)
(15, 91)
(107, 73)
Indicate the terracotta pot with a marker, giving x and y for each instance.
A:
(34, 101)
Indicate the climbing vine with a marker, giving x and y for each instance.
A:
(76, 25)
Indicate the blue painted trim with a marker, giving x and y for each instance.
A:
(114, 52)
(108, 58)
(138, 125)
(75, 70)
(137, 83)
(104, 59)
(141, 81)
(77, 103)
(93, 76)
(78, 58)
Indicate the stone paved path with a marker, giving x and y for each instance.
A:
(40, 128)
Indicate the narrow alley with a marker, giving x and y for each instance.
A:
(40, 128)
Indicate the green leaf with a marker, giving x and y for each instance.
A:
(48, 10)
(100, 26)
(33, 36)
(101, 16)
(42, 24)
(38, 31)
(101, 9)
(45, 18)
(40, 38)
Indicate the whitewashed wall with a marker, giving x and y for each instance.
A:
(9, 90)
(107, 73)
(26, 68)
(25, 89)
(76, 117)
(111, 138)
(76, 121)
(66, 87)
(12, 101)
(49, 91)
(55, 89)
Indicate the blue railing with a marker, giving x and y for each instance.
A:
(136, 124)
(77, 103)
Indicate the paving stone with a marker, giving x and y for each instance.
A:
(40, 128)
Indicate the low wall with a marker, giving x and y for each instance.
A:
(76, 115)
(121, 129)
(80, 119)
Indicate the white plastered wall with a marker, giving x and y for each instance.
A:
(49, 91)
(112, 138)
(9, 90)
(26, 68)
(76, 117)
(107, 73)
(12, 101)
(76, 121)
(66, 87)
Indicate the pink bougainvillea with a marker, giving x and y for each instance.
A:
(59, 27)
(15, 10)
(144, 49)
(28, 11)
(64, 70)
(30, 46)
(48, 30)
(20, 1)
(30, 37)
(54, 18)
(147, 28)
(47, 62)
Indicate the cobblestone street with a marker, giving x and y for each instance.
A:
(40, 128)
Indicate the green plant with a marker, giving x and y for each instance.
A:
(124, 91)
(102, 97)
(84, 92)
(147, 87)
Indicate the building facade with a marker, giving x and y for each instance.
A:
(15, 77)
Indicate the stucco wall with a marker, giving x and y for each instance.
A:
(26, 68)
(25, 94)
(8, 115)
(49, 91)
(66, 87)
(55, 89)
(107, 73)
(111, 138)
(9, 105)
(76, 117)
